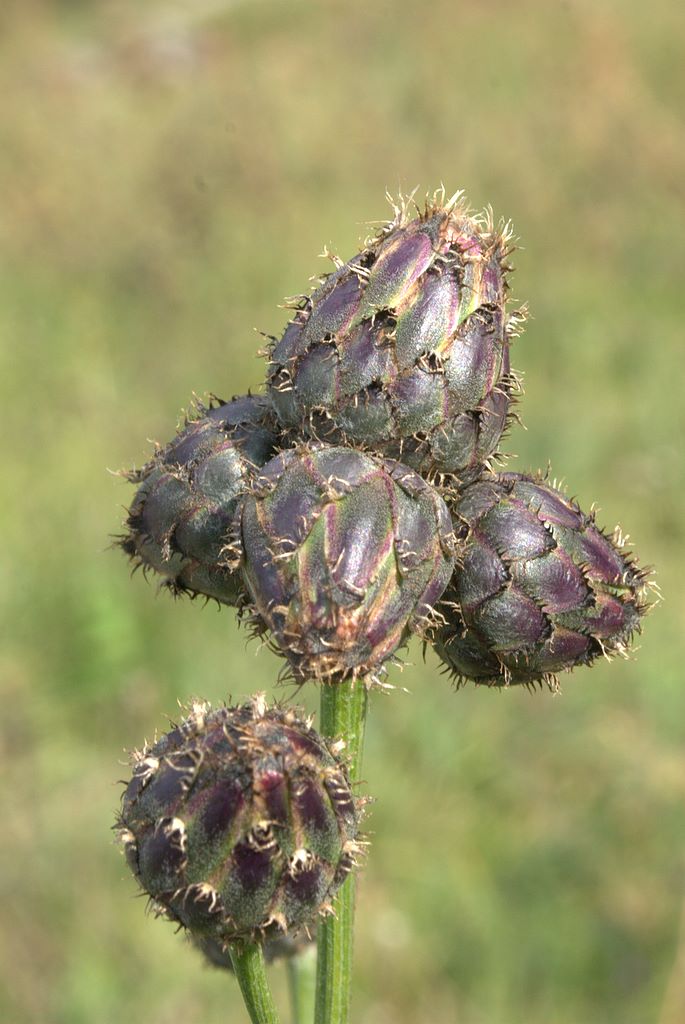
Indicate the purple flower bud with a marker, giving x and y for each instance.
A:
(344, 555)
(539, 589)
(180, 517)
(240, 822)
(405, 348)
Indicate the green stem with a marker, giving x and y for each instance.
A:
(248, 964)
(302, 982)
(343, 716)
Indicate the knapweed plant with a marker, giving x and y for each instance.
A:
(356, 501)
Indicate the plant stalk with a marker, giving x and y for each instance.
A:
(302, 983)
(248, 964)
(343, 716)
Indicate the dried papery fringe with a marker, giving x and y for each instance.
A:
(500, 234)
(258, 630)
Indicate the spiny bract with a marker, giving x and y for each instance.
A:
(343, 555)
(539, 587)
(240, 822)
(405, 348)
(180, 516)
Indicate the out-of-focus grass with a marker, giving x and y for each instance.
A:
(168, 172)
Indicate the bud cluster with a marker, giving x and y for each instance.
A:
(356, 502)
(336, 507)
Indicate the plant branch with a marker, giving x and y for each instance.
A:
(248, 964)
(343, 716)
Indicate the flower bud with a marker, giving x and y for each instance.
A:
(539, 588)
(405, 348)
(344, 555)
(239, 822)
(181, 514)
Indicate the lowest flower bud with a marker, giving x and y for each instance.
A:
(539, 589)
(240, 822)
(344, 556)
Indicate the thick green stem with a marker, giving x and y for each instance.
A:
(302, 983)
(248, 964)
(343, 716)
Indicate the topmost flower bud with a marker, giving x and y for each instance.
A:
(404, 349)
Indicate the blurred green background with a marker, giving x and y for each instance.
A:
(168, 172)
